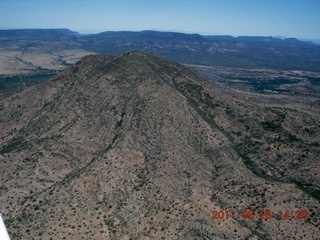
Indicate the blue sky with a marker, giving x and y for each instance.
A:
(289, 18)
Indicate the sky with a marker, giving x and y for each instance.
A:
(287, 18)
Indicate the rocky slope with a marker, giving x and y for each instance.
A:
(132, 146)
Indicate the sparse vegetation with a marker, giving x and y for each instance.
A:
(116, 148)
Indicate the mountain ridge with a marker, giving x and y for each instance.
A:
(31, 56)
(253, 52)
(31, 32)
(39, 34)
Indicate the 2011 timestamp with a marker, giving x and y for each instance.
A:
(263, 214)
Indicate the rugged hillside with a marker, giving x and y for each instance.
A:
(132, 146)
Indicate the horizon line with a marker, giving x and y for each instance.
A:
(88, 32)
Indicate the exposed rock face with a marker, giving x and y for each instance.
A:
(135, 147)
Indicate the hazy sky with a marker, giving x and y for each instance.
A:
(289, 18)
